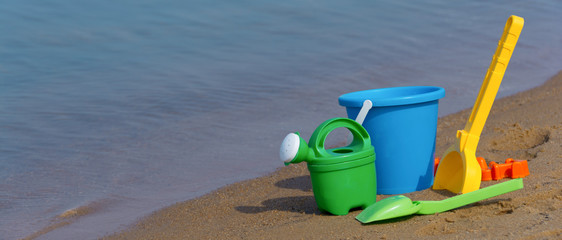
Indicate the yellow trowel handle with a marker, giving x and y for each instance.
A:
(493, 78)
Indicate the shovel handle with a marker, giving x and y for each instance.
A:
(431, 207)
(494, 76)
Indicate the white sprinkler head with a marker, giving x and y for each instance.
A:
(289, 147)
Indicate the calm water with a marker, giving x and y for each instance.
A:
(129, 106)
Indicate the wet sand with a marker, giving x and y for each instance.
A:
(527, 125)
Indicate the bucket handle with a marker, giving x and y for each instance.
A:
(367, 105)
(361, 139)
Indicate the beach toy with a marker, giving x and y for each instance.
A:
(458, 171)
(435, 165)
(342, 178)
(399, 206)
(510, 169)
(402, 124)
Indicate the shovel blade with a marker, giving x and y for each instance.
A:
(458, 171)
(388, 208)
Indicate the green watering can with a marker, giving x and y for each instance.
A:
(342, 178)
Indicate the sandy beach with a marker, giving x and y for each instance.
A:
(527, 125)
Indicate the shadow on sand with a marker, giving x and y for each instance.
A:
(299, 204)
(302, 183)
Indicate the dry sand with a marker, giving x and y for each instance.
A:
(527, 126)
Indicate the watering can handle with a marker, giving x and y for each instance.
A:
(494, 76)
(318, 138)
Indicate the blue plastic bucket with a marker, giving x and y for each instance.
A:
(402, 125)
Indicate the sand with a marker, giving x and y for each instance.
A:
(527, 125)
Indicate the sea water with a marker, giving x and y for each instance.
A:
(116, 109)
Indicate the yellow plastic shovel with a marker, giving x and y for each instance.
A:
(458, 170)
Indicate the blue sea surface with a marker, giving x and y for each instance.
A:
(125, 107)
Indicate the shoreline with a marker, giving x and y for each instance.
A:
(526, 125)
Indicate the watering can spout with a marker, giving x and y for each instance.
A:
(294, 149)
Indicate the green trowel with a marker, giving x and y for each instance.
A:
(399, 206)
